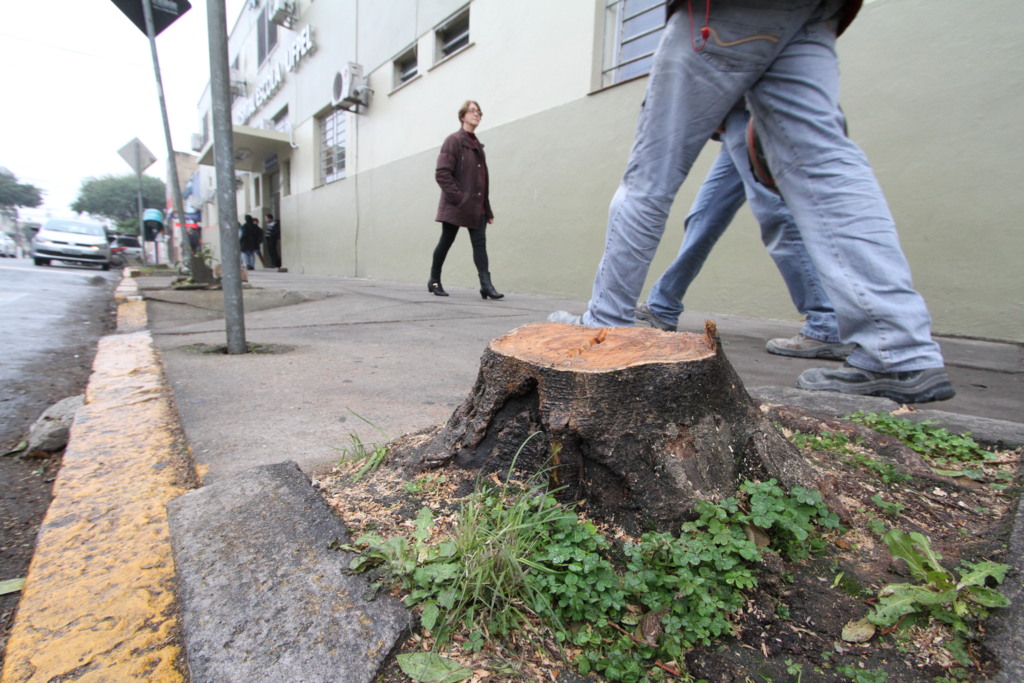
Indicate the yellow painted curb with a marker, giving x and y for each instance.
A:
(99, 602)
(127, 290)
(131, 317)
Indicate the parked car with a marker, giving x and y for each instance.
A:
(125, 250)
(71, 241)
(8, 247)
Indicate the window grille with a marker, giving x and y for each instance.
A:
(453, 35)
(332, 146)
(406, 67)
(266, 35)
(632, 31)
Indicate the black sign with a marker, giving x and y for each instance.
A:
(165, 12)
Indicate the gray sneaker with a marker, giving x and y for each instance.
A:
(802, 346)
(645, 314)
(913, 386)
(565, 317)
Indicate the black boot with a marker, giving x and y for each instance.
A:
(487, 290)
(434, 286)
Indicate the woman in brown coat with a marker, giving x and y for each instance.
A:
(462, 174)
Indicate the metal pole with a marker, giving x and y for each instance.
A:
(172, 166)
(142, 223)
(224, 160)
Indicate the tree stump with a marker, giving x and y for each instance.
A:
(200, 270)
(637, 422)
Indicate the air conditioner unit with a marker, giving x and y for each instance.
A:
(282, 12)
(197, 142)
(350, 87)
(237, 81)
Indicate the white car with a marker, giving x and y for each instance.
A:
(8, 247)
(71, 241)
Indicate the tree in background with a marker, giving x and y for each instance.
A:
(116, 198)
(14, 194)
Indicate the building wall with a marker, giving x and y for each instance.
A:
(936, 110)
(936, 115)
(941, 117)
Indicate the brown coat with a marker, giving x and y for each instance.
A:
(462, 174)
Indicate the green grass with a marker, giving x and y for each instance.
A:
(933, 442)
(371, 455)
(517, 559)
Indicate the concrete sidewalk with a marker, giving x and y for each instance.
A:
(334, 359)
(402, 359)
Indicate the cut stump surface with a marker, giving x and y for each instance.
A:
(586, 349)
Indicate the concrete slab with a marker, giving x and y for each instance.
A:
(1005, 627)
(264, 596)
(984, 430)
(826, 403)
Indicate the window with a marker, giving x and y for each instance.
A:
(406, 67)
(453, 35)
(266, 35)
(332, 146)
(632, 31)
(280, 121)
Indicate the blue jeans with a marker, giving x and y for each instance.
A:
(717, 202)
(249, 259)
(780, 55)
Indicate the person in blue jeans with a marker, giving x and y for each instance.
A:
(780, 56)
(729, 182)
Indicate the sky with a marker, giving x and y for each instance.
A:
(78, 85)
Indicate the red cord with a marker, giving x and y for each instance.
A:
(705, 32)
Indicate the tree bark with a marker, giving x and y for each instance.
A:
(637, 422)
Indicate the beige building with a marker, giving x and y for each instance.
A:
(340, 107)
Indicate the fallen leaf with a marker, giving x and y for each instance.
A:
(860, 631)
(11, 586)
(649, 628)
(756, 535)
(428, 667)
(17, 449)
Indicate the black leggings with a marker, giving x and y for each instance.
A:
(477, 237)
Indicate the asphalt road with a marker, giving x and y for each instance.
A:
(50, 321)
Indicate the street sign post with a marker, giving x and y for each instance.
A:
(137, 155)
(140, 158)
(152, 17)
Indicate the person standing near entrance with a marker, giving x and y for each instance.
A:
(249, 241)
(273, 237)
(462, 175)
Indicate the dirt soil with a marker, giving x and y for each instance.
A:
(793, 621)
(24, 498)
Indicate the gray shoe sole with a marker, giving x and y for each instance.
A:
(826, 351)
(924, 387)
(644, 314)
